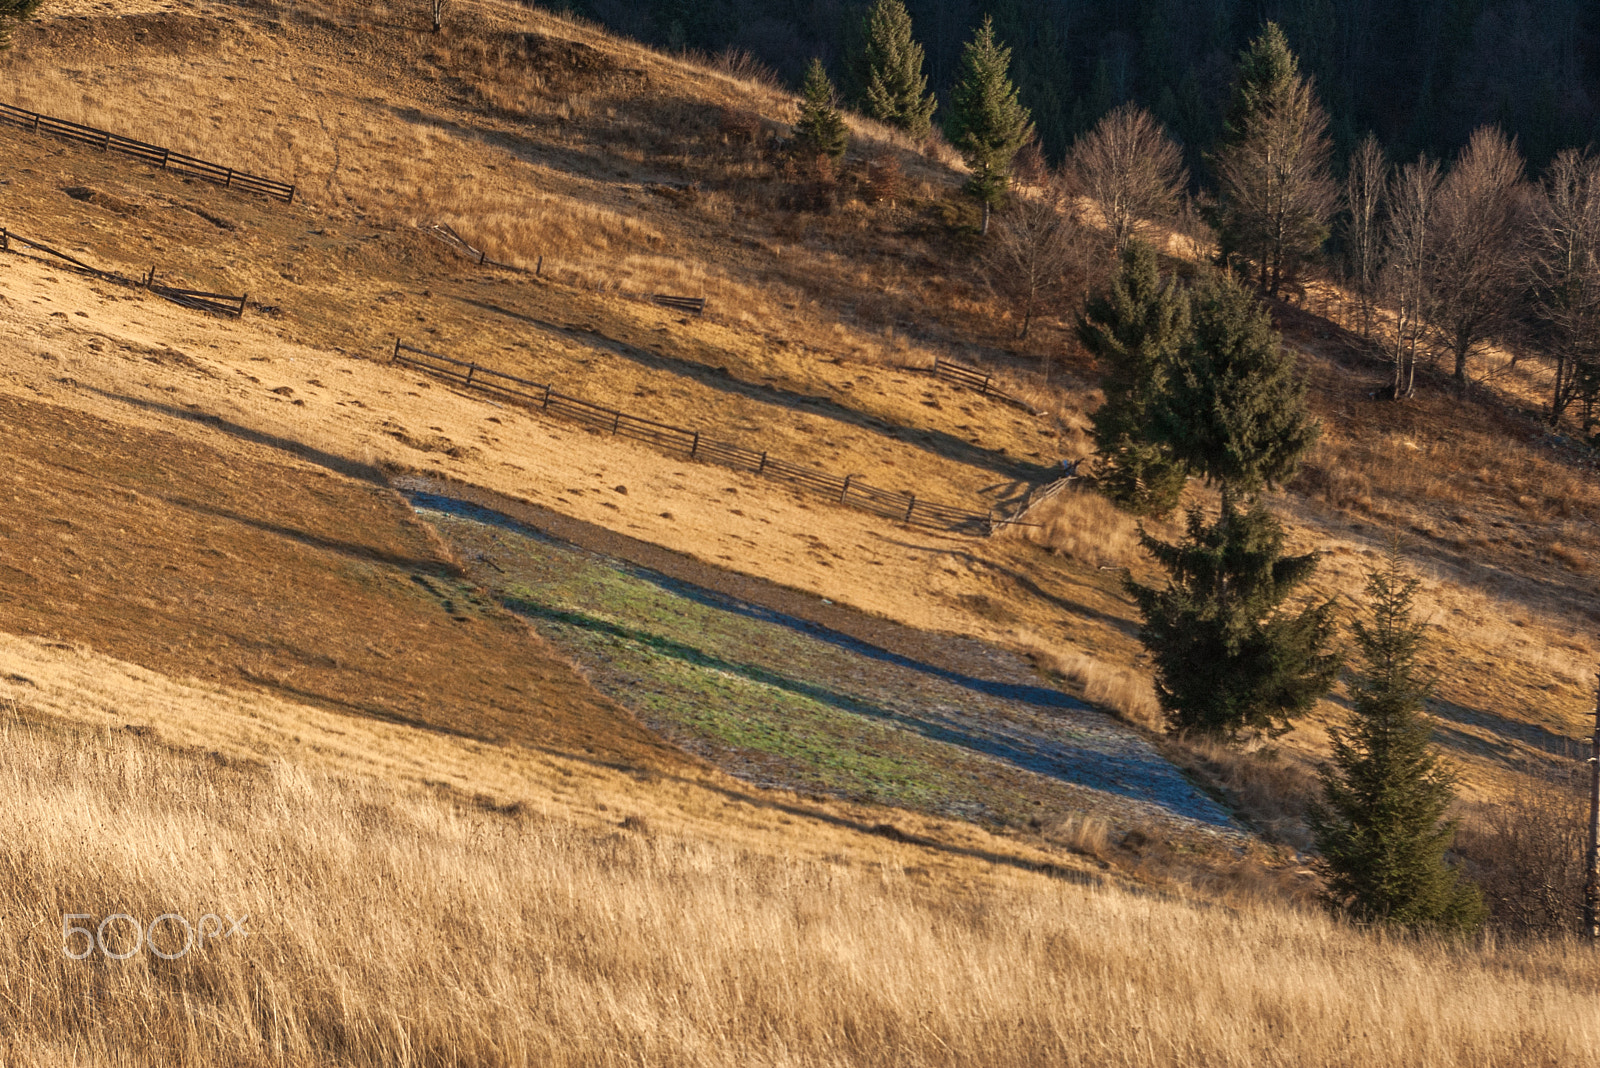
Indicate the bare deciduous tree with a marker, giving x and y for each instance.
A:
(1363, 225)
(1526, 852)
(1407, 279)
(1482, 211)
(1034, 245)
(1131, 170)
(1566, 273)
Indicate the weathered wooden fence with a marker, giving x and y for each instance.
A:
(694, 444)
(220, 303)
(444, 232)
(155, 155)
(697, 305)
(974, 379)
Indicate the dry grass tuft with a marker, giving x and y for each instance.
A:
(1125, 691)
(1084, 525)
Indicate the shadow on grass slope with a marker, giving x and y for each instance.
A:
(785, 702)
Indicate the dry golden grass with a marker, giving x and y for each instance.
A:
(1127, 692)
(1084, 525)
(566, 139)
(439, 933)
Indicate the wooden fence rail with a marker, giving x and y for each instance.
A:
(221, 303)
(154, 155)
(981, 381)
(893, 504)
(697, 305)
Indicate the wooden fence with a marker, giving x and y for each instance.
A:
(199, 300)
(444, 232)
(974, 379)
(697, 305)
(154, 155)
(849, 490)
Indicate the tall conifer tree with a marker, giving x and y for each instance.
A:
(987, 123)
(1272, 168)
(1381, 826)
(894, 89)
(1228, 657)
(1234, 407)
(1134, 332)
(821, 131)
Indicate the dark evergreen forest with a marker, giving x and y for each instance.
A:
(1421, 74)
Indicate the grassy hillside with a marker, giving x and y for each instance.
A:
(203, 546)
(624, 171)
(434, 932)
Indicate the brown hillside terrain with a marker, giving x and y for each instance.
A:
(596, 174)
(237, 672)
(1500, 522)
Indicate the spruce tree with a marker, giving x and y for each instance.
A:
(1381, 826)
(1276, 196)
(1134, 332)
(987, 122)
(894, 89)
(1234, 407)
(820, 132)
(1229, 658)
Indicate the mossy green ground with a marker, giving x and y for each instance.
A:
(783, 702)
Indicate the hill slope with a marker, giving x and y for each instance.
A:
(206, 507)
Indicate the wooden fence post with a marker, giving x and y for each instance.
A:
(696, 446)
(5, 240)
(763, 466)
(911, 508)
(166, 154)
(470, 372)
(106, 144)
(616, 422)
(547, 390)
(538, 268)
(228, 184)
(393, 358)
(846, 491)
(291, 193)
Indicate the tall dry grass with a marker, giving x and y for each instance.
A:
(394, 928)
(1076, 521)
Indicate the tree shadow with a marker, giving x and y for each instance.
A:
(351, 549)
(1509, 735)
(1137, 776)
(1021, 475)
(1076, 608)
(332, 461)
(1038, 696)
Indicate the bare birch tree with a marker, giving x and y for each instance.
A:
(437, 7)
(1363, 226)
(1131, 170)
(1035, 243)
(1482, 212)
(1407, 278)
(1566, 275)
